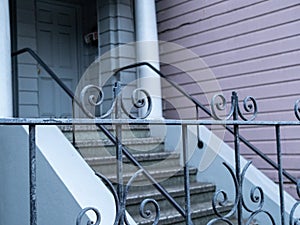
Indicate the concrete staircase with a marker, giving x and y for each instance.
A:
(165, 167)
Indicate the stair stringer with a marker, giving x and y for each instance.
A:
(65, 183)
(209, 161)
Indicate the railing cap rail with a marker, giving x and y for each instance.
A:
(72, 121)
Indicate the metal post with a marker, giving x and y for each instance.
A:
(188, 217)
(235, 103)
(119, 153)
(73, 125)
(32, 176)
(200, 142)
(280, 176)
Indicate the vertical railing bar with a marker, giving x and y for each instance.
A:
(32, 175)
(120, 186)
(280, 174)
(73, 125)
(199, 141)
(237, 158)
(119, 153)
(188, 218)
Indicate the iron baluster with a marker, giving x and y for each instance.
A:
(235, 103)
(32, 177)
(119, 152)
(280, 176)
(73, 125)
(188, 217)
(200, 142)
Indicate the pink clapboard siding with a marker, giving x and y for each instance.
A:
(252, 47)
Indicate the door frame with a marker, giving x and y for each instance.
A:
(14, 47)
(79, 32)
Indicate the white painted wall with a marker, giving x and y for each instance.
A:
(65, 183)
(5, 62)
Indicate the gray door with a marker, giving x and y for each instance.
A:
(57, 45)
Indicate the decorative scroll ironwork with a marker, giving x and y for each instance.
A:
(219, 103)
(93, 100)
(84, 211)
(111, 188)
(139, 103)
(220, 199)
(140, 99)
(293, 219)
(146, 214)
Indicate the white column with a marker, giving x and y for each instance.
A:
(6, 106)
(148, 51)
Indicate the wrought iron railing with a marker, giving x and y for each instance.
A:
(232, 120)
(220, 199)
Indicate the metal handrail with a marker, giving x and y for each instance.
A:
(209, 113)
(47, 68)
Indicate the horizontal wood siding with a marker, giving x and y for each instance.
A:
(27, 67)
(252, 47)
(116, 24)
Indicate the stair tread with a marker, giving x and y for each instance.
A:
(127, 141)
(198, 210)
(69, 128)
(140, 157)
(164, 172)
(175, 191)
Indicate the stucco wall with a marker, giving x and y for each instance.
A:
(65, 183)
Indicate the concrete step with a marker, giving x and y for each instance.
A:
(200, 192)
(92, 132)
(167, 177)
(150, 161)
(202, 213)
(100, 148)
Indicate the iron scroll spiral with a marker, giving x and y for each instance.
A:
(256, 196)
(146, 214)
(84, 211)
(293, 219)
(140, 98)
(220, 199)
(219, 104)
(139, 103)
(93, 100)
(111, 188)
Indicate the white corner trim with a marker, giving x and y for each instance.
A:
(6, 105)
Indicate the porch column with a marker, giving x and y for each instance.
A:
(6, 106)
(148, 51)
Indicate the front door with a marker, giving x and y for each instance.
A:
(57, 46)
